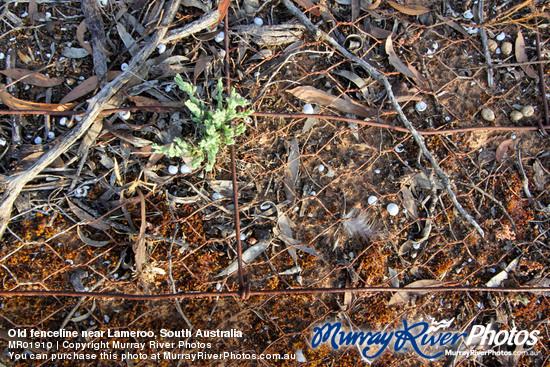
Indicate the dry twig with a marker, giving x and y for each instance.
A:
(14, 185)
(320, 35)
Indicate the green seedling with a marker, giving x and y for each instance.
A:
(214, 125)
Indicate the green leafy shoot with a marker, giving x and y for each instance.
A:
(214, 126)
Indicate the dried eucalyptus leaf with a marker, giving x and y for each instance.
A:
(248, 256)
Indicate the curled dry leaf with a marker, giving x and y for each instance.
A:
(87, 86)
(89, 241)
(19, 104)
(80, 30)
(502, 149)
(247, 257)
(497, 280)
(97, 223)
(394, 60)
(410, 9)
(521, 56)
(314, 95)
(370, 4)
(32, 77)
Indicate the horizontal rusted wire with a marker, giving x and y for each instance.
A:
(284, 115)
(272, 292)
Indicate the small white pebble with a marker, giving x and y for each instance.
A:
(447, 118)
(308, 109)
(399, 148)
(265, 206)
(103, 3)
(416, 245)
(81, 77)
(313, 193)
(472, 30)
(24, 14)
(125, 115)
(124, 66)
(320, 168)
(185, 169)
(377, 171)
(3, 142)
(393, 209)
(220, 37)
(258, 21)
(51, 135)
(81, 192)
(161, 48)
(38, 140)
(173, 170)
(300, 357)
(218, 286)
(217, 196)
(47, 15)
(48, 55)
(421, 106)
(106, 318)
(243, 236)
(501, 36)
(498, 51)
(468, 15)
(63, 121)
(372, 199)
(168, 88)
(2, 56)
(514, 137)
(528, 111)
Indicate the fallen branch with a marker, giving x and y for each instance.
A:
(381, 78)
(14, 185)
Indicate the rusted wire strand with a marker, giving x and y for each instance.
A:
(286, 115)
(267, 292)
(243, 289)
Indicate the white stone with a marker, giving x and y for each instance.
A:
(173, 170)
(393, 209)
(372, 199)
(217, 196)
(265, 206)
(300, 357)
(63, 121)
(308, 109)
(320, 168)
(501, 36)
(38, 140)
(125, 115)
(258, 21)
(220, 37)
(243, 236)
(421, 106)
(185, 169)
(161, 48)
(468, 15)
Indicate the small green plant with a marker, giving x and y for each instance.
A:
(214, 126)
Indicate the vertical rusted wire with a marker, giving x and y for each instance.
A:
(542, 88)
(233, 167)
